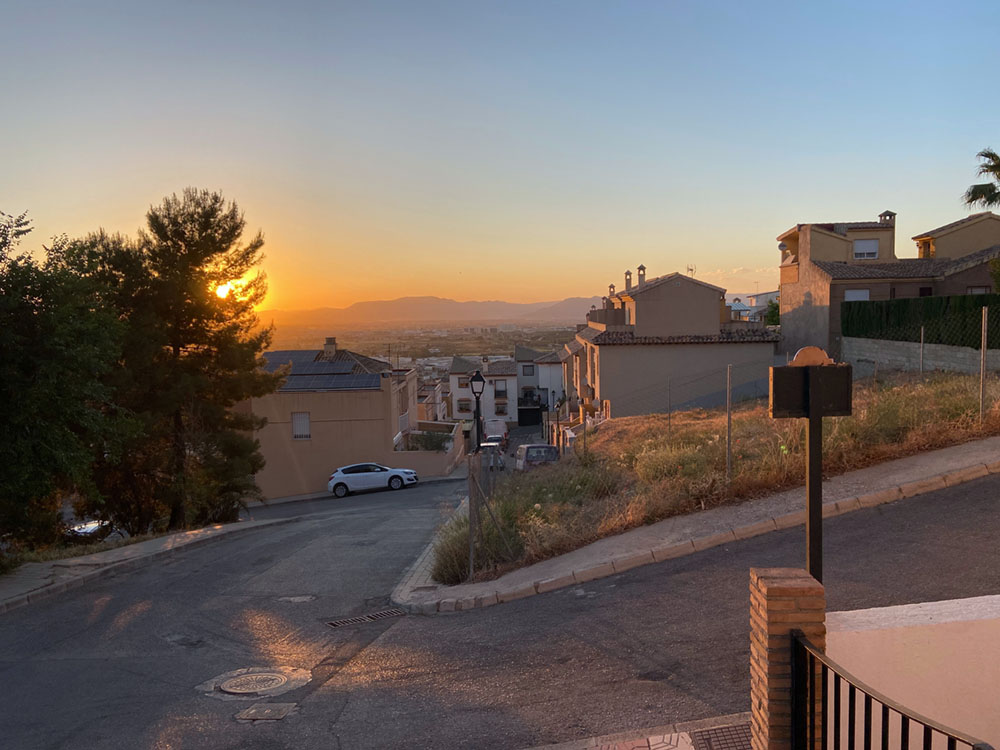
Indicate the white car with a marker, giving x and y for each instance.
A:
(368, 477)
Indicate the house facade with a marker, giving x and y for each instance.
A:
(335, 407)
(663, 344)
(499, 399)
(823, 265)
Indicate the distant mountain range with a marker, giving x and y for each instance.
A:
(434, 310)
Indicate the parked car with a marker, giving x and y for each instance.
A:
(496, 431)
(493, 455)
(368, 477)
(535, 454)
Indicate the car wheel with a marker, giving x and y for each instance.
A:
(395, 483)
(340, 490)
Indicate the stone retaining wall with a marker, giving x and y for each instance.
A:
(863, 354)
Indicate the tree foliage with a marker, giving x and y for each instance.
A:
(56, 344)
(772, 316)
(985, 194)
(189, 359)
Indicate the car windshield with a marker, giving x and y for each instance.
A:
(543, 453)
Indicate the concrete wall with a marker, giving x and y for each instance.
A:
(634, 378)
(940, 659)
(967, 239)
(805, 309)
(550, 382)
(905, 355)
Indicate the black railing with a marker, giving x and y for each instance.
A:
(827, 701)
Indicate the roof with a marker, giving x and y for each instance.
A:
(907, 268)
(462, 366)
(660, 280)
(524, 354)
(841, 227)
(587, 333)
(548, 358)
(739, 336)
(954, 225)
(313, 370)
(739, 306)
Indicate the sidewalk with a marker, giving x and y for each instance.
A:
(460, 474)
(721, 733)
(684, 535)
(32, 582)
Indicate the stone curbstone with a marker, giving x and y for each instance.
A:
(621, 564)
(993, 468)
(446, 605)
(756, 529)
(789, 520)
(715, 540)
(921, 486)
(672, 551)
(487, 600)
(518, 593)
(966, 475)
(849, 505)
(881, 497)
(592, 573)
(551, 584)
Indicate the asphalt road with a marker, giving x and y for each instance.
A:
(115, 665)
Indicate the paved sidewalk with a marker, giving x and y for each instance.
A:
(721, 733)
(32, 582)
(684, 535)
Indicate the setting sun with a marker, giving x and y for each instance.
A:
(223, 291)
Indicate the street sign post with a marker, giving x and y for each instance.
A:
(812, 386)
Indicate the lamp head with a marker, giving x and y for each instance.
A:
(478, 384)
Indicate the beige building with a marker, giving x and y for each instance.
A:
(823, 265)
(337, 407)
(664, 344)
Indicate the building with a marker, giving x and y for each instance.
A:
(499, 396)
(337, 407)
(825, 264)
(431, 403)
(663, 344)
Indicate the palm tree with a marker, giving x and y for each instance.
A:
(986, 194)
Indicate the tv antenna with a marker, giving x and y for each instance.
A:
(691, 270)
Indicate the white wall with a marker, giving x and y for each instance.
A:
(550, 378)
(940, 659)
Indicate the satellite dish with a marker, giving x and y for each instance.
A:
(782, 246)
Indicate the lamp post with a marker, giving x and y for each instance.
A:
(478, 384)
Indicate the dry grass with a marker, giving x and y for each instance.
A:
(61, 552)
(637, 472)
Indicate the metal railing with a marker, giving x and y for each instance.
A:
(828, 703)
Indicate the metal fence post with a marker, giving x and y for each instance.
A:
(473, 517)
(729, 424)
(982, 368)
(669, 409)
(921, 351)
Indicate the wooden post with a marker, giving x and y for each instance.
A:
(729, 424)
(473, 515)
(814, 477)
(921, 351)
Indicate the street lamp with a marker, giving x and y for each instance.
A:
(478, 384)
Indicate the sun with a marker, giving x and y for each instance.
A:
(223, 291)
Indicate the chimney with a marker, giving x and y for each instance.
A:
(611, 290)
(330, 347)
(628, 280)
(642, 275)
(888, 218)
(486, 361)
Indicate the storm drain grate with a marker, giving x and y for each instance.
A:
(361, 620)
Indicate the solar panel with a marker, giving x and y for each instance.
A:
(282, 357)
(322, 368)
(341, 382)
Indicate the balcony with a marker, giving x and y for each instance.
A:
(529, 402)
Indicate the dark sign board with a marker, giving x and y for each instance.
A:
(789, 390)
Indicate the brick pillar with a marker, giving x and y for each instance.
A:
(781, 600)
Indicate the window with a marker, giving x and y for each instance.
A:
(865, 249)
(855, 295)
(500, 408)
(463, 382)
(300, 425)
(500, 388)
(926, 291)
(977, 290)
(465, 404)
(527, 370)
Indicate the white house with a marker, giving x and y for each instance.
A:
(499, 399)
(550, 378)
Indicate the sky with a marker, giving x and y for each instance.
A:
(475, 150)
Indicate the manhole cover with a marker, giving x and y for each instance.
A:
(253, 683)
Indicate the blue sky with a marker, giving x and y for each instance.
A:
(488, 150)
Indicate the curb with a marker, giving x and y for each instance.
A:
(52, 589)
(612, 566)
(419, 572)
(640, 735)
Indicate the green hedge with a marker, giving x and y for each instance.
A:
(955, 321)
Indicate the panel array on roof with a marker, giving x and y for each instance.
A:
(282, 357)
(322, 368)
(332, 382)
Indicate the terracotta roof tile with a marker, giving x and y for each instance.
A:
(907, 268)
(948, 227)
(746, 336)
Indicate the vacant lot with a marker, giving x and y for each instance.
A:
(637, 470)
